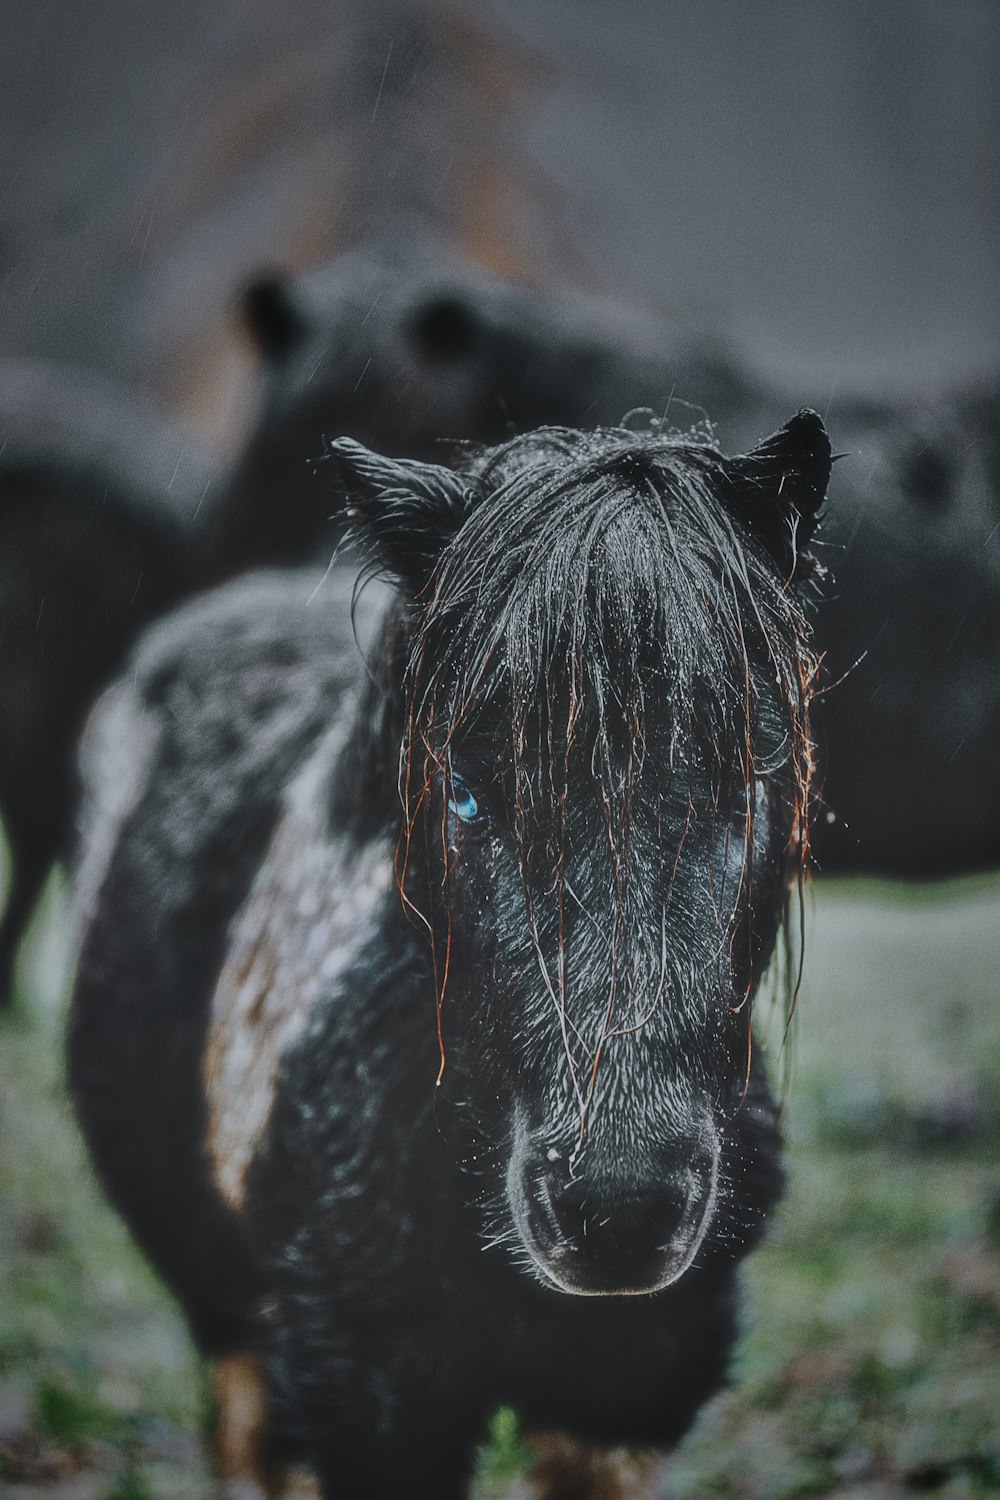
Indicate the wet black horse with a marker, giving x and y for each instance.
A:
(412, 1031)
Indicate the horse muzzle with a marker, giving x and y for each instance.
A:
(594, 1233)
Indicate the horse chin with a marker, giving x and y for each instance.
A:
(556, 1280)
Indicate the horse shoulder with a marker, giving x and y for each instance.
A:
(307, 915)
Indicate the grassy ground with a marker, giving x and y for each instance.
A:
(871, 1360)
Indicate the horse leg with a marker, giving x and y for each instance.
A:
(243, 1462)
(239, 1439)
(565, 1469)
(427, 1450)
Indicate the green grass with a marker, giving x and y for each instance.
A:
(91, 1348)
(872, 1348)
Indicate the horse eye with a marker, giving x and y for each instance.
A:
(461, 801)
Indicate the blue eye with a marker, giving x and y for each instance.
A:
(461, 801)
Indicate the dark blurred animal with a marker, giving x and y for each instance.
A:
(99, 501)
(417, 358)
(419, 355)
(536, 849)
(910, 631)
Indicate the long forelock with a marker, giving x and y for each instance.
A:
(604, 578)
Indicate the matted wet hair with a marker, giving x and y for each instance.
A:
(618, 606)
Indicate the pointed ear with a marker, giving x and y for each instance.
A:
(272, 316)
(406, 512)
(444, 328)
(779, 486)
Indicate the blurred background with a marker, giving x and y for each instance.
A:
(816, 179)
(813, 183)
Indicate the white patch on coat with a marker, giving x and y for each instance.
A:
(307, 916)
(116, 753)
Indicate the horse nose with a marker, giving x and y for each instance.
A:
(593, 1235)
(589, 1221)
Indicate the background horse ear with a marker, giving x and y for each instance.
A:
(406, 511)
(270, 313)
(445, 328)
(780, 485)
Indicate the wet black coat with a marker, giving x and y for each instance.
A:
(359, 1261)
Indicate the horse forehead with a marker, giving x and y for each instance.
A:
(622, 781)
(607, 850)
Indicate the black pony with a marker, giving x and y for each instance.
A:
(412, 1032)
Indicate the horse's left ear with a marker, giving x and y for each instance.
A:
(779, 486)
(272, 314)
(406, 511)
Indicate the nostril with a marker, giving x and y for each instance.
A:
(630, 1228)
(572, 1214)
(665, 1212)
(545, 1223)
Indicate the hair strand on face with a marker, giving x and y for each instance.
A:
(641, 643)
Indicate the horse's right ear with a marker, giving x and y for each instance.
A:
(407, 512)
(271, 314)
